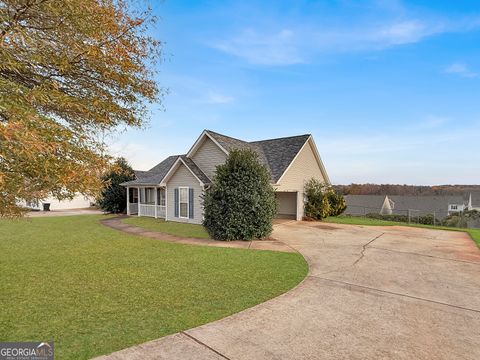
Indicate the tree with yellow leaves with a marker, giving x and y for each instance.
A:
(69, 71)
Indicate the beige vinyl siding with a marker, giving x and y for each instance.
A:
(208, 156)
(304, 167)
(183, 177)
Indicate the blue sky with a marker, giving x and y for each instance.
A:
(390, 90)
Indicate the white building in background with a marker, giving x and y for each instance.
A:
(78, 202)
(452, 208)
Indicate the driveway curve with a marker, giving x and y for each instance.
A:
(371, 293)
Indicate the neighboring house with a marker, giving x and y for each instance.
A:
(173, 189)
(78, 202)
(441, 205)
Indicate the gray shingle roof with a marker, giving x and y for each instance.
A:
(155, 175)
(281, 152)
(275, 154)
(195, 169)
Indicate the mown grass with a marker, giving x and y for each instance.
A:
(94, 290)
(354, 220)
(168, 227)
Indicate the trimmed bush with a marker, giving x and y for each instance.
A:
(113, 198)
(322, 200)
(240, 204)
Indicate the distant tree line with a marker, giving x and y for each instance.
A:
(396, 189)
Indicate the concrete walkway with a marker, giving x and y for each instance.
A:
(270, 244)
(64, 212)
(371, 293)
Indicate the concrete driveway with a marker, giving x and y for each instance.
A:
(372, 293)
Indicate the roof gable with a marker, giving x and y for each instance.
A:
(276, 154)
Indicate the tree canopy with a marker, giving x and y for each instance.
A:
(113, 197)
(69, 71)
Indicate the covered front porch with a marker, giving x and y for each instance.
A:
(148, 201)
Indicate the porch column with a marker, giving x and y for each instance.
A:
(156, 201)
(128, 200)
(166, 203)
(138, 201)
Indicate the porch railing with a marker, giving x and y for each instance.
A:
(133, 208)
(149, 210)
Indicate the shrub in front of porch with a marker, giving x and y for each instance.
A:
(113, 198)
(240, 204)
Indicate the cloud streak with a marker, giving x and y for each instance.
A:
(281, 41)
(461, 70)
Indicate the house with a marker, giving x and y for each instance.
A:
(77, 202)
(172, 189)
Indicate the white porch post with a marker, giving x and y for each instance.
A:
(166, 204)
(138, 201)
(156, 201)
(128, 200)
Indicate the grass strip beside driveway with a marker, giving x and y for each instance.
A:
(354, 220)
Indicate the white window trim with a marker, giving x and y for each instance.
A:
(179, 202)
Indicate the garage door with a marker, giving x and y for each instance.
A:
(287, 204)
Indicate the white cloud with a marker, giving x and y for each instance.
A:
(265, 48)
(217, 98)
(461, 70)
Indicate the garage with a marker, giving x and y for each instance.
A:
(287, 204)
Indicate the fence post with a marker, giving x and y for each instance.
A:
(434, 218)
(408, 216)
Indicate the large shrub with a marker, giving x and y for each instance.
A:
(114, 196)
(322, 200)
(240, 204)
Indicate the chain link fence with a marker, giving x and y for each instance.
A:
(439, 217)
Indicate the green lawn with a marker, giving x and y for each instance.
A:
(94, 290)
(354, 220)
(168, 227)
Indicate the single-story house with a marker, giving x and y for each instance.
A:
(172, 189)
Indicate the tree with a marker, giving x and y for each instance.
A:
(322, 200)
(114, 196)
(240, 204)
(69, 70)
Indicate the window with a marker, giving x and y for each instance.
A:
(161, 197)
(454, 207)
(183, 202)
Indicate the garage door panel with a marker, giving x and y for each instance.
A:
(287, 203)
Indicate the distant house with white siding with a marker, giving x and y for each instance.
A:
(173, 189)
